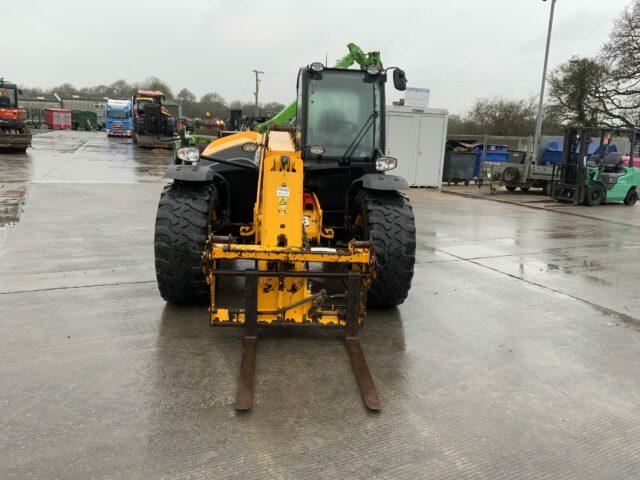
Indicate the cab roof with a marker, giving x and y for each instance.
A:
(118, 103)
(150, 93)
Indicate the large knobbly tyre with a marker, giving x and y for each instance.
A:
(182, 225)
(387, 218)
(171, 127)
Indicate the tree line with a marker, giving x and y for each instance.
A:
(586, 91)
(602, 90)
(210, 104)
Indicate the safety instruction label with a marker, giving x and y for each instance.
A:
(283, 200)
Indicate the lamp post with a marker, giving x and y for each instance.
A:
(536, 138)
(258, 73)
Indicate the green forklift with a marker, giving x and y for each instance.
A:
(604, 176)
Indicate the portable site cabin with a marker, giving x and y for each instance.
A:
(417, 138)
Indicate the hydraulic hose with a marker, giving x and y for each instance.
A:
(322, 293)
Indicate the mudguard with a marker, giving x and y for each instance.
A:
(190, 173)
(378, 181)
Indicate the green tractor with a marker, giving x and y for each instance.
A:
(605, 176)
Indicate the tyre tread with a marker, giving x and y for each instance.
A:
(391, 223)
(181, 230)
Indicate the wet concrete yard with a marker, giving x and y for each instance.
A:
(516, 355)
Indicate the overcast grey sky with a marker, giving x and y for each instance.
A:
(461, 49)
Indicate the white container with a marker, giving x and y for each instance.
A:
(416, 138)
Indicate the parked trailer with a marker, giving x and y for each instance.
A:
(57, 118)
(35, 117)
(518, 175)
(84, 120)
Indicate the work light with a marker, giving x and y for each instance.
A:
(317, 149)
(188, 154)
(386, 163)
(373, 70)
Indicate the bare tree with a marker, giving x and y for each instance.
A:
(502, 116)
(32, 91)
(96, 90)
(619, 95)
(122, 89)
(211, 105)
(65, 89)
(271, 108)
(498, 116)
(212, 97)
(185, 95)
(154, 83)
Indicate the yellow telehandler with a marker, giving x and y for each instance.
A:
(293, 202)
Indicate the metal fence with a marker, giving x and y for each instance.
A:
(525, 144)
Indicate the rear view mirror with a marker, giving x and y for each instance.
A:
(399, 80)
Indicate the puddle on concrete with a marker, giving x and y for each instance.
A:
(92, 157)
(16, 170)
(12, 197)
(73, 157)
(562, 235)
(584, 265)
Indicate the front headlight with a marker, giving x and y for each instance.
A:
(188, 154)
(386, 163)
(317, 149)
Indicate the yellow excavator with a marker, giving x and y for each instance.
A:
(304, 211)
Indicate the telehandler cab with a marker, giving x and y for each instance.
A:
(307, 200)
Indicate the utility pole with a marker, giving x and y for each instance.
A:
(536, 138)
(258, 73)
